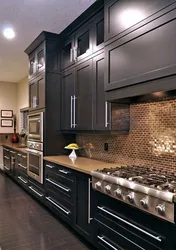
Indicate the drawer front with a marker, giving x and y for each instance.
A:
(36, 191)
(144, 226)
(60, 170)
(59, 206)
(22, 162)
(118, 239)
(22, 179)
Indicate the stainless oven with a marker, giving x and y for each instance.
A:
(35, 127)
(35, 161)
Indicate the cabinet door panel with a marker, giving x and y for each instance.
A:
(120, 15)
(67, 85)
(98, 32)
(40, 57)
(41, 91)
(67, 53)
(147, 57)
(83, 84)
(33, 94)
(101, 116)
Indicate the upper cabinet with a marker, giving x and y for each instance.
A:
(83, 41)
(123, 16)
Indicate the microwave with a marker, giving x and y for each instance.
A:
(35, 127)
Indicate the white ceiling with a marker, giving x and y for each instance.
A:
(29, 18)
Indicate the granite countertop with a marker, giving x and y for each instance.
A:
(15, 146)
(81, 164)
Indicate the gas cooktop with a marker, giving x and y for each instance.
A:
(146, 188)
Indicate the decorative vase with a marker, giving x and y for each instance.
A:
(73, 156)
(15, 138)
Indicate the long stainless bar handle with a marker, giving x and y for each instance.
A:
(74, 113)
(20, 165)
(71, 112)
(106, 115)
(89, 203)
(31, 188)
(49, 166)
(6, 157)
(7, 168)
(21, 179)
(54, 183)
(67, 212)
(71, 55)
(63, 171)
(130, 224)
(107, 243)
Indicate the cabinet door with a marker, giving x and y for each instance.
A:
(84, 96)
(40, 57)
(67, 97)
(67, 53)
(124, 15)
(98, 31)
(83, 220)
(101, 109)
(41, 91)
(32, 65)
(83, 42)
(33, 94)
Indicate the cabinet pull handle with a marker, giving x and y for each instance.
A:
(71, 55)
(24, 156)
(107, 243)
(63, 171)
(71, 113)
(106, 115)
(20, 165)
(74, 113)
(21, 179)
(54, 183)
(12, 152)
(6, 168)
(49, 166)
(31, 188)
(62, 209)
(19, 155)
(7, 150)
(7, 158)
(158, 238)
(89, 203)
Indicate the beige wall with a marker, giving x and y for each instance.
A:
(8, 100)
(22, 98)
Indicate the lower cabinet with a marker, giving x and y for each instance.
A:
(69, 196)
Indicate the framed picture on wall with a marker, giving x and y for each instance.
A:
(6, 113)
(6, 123)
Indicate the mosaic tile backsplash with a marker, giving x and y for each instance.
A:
(151, 140)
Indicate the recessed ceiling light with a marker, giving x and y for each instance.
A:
(9, 33)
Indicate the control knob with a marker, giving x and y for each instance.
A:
(118, 193)
(130, 197)
(161, 209)
(108, 188)
(98, 184)
(144, 202)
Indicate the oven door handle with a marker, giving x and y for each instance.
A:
(158, 238)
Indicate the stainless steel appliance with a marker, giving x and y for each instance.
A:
(35, 127)
(35, 161)
(149, 189)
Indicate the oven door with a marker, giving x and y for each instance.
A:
(35, 165)
(35, 127)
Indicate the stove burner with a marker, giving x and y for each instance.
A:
(151, 177)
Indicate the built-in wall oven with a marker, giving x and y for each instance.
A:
(35, 127)
(35, 147)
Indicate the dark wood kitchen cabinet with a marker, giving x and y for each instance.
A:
(144, 55)
(77, 97)
(85, 40)
(84, 205)
(124, 16)
(37, 93)
(21, 169)
(101, 108)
